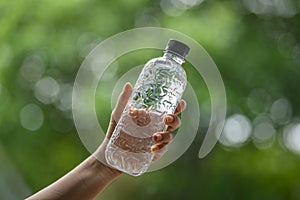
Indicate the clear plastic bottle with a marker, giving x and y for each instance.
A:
(157, 92)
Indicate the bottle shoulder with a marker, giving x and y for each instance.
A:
(163, 62)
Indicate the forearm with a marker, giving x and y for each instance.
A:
(83, 182)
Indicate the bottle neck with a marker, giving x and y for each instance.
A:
(174, 57)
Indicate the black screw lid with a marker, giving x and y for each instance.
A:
(177, 48)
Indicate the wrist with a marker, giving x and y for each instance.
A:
(102, 168)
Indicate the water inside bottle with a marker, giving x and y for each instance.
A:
(130, 149)
(157, 91)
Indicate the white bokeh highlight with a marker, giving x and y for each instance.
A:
(46, 90)
(31, 117)
(291, 137)
(264, 132)
(237, 130)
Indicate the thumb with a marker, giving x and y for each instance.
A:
(122, 101)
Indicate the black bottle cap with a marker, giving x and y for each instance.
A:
(177, 48)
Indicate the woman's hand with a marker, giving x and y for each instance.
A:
(160, 139)
(90, 177)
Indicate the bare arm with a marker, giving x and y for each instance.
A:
(93, 174)
(84, 182)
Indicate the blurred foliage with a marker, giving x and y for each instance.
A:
(255, 44)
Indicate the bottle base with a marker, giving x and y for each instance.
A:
(134, 164)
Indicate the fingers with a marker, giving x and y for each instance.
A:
(180, 107)
(155, 148)
(137, 113)
(159, 153)
(140, 116)
(172, 121)
(124, 96)
(133, 113)
(161, 139)
(122, 101)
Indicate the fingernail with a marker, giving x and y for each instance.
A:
(154, 148)
(132, 114)
(157, 137)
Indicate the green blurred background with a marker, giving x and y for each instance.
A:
(255, 44)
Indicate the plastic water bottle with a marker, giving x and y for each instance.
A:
(156, 93)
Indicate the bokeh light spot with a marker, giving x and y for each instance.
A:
(32, 68)
(263, 132)
(64, 102)
(236, 131)
(185, 4)
(170, 9)
(281, 111)
(283, 8)
(46, 90)
(31, 117)
(258, 100)
(291, 137)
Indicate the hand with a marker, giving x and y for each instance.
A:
(161, 139)
(139, 116)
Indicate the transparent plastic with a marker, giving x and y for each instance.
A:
(157, 92)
